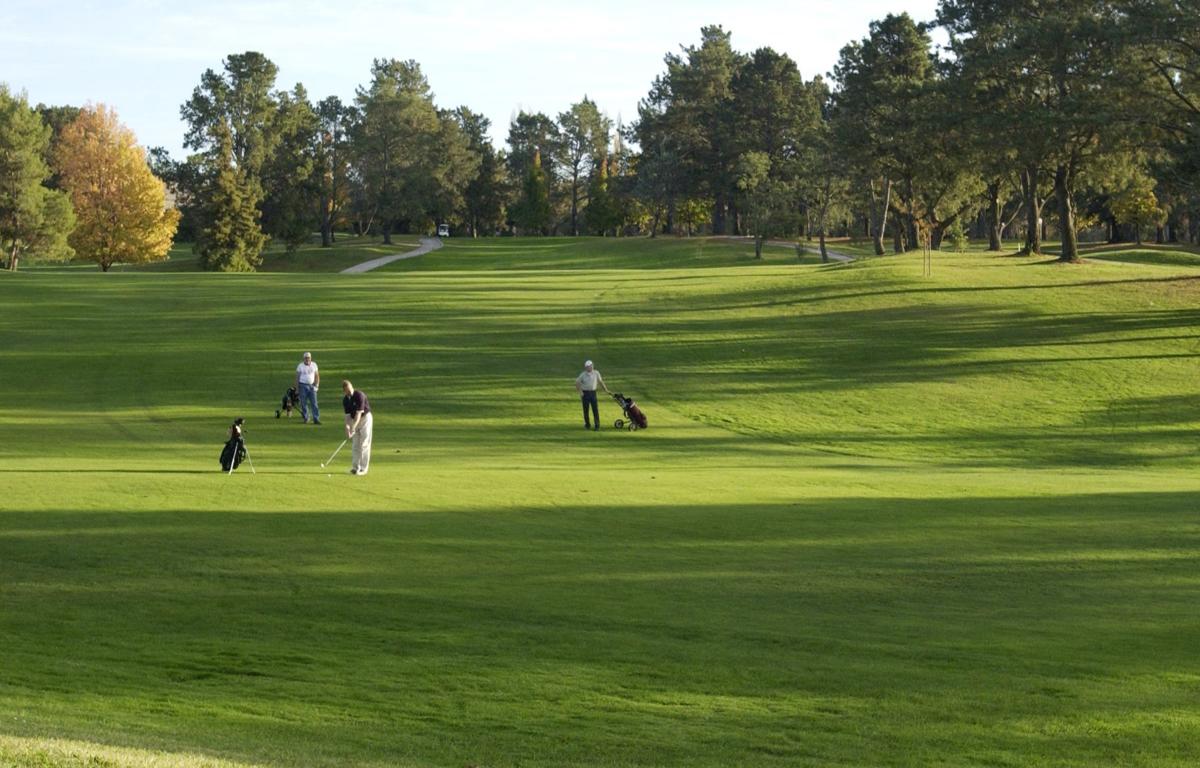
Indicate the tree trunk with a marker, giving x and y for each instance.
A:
(824, 250)
(1033, 212)
(387, 233)
(995, 218)
(1063, 182)
(877, 217)
(910, 219)
(1160, 235)
(897, 234)
(13, 258)
(575, 203)
(758, 244)
(718, 214)
(936, 233)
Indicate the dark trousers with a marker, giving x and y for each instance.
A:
(589, 398)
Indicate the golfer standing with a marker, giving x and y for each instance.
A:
(308, 381)
(358, 426)
(585, 384)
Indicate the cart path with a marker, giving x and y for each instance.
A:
(427, 244)
(833, 255)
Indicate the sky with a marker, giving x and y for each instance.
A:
(143, 58)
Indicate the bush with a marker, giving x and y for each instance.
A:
(956, 235)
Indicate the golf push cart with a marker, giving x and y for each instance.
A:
(634, 418)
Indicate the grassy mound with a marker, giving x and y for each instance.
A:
(877, 518)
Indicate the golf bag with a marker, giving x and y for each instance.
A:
(234, 452)
(289, 402)
(634, 418)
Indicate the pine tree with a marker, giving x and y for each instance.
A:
(601, 212)
(34, 220)
(532, 213)
(232, 240)
(231, 124)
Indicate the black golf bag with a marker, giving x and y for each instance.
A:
(634, 418)
(234, 452)
(289, 402)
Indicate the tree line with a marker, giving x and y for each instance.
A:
(1035, 120)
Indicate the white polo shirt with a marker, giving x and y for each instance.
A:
(306, 374)
(589, 380)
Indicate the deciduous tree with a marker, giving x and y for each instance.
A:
(120, 206)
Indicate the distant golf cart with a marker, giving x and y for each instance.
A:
(443, 230)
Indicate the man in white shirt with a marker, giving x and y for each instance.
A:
(308, 381)
(585, 385)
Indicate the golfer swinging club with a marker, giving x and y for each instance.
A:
(585, 384)
(358, 426)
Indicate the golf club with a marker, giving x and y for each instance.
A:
(335, 453)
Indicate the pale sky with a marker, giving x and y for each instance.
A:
(144, 57)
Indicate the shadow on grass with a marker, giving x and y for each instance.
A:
(844, 628)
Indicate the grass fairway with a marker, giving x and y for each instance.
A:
(877, 519)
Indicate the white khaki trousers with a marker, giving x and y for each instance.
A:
(361, 458)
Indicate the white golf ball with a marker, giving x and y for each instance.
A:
(328, 475)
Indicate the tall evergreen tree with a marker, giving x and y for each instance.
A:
(291, 185)
(584, 136)
(602, 213)
(230, 121)
(483, 198)
(35, 221)
(700, 112)
(332, 165)
(882, 82)
(532, 211)
(413, 160)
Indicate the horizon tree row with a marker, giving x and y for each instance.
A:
(1034, 120)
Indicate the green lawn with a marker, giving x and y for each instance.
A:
(877, 519)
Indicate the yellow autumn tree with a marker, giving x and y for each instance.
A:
(119, 203)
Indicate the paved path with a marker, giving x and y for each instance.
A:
(814, 248)
(427, 244)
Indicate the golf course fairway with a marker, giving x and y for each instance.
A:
(877, 519)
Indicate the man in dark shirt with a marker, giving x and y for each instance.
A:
(358, 426)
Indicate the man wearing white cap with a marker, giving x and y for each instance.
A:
(308, 381)
(585, 384)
